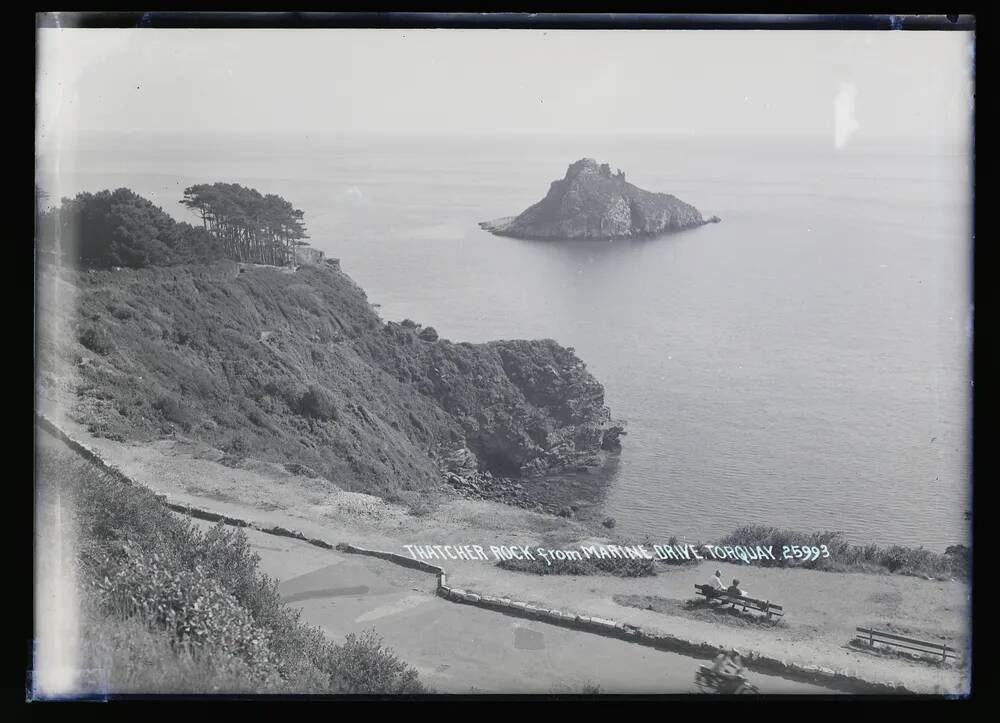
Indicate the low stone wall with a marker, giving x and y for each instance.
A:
(611, 628)
(81, 449)
(393, 557)
(202, 514)
(840, 680)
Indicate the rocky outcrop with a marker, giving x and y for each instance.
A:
(611, 439)
(592, 203)
(507, 490)
(525, 407)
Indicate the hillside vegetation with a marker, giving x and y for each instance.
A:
(120, 228)
(295, 366)
(168, 608)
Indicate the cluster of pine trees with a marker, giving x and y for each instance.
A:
(251, 227)
(121, 228)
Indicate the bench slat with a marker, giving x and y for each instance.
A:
(929, 651)
(877, 634)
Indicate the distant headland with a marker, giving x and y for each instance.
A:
(591, 202)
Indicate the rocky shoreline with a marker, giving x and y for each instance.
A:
(462, 472)
(484, 487)
(506, 490)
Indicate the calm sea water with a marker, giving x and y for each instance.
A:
(805, 363)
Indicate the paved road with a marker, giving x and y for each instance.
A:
(460, 648)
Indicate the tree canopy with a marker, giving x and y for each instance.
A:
(250, 226)
(120, 228)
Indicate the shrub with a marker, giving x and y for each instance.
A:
(131, 657)
(193, 607)
(960, 556)
(844, 556)
(619, 567)
(120, 228)
(301, 470)
(199, 615)
(318, 404)
(174, 411)
(363, 665)
(97, 339)
(238, 444)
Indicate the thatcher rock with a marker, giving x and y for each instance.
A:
(592, 203)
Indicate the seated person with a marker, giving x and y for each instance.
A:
(734, 589)
(715, 584)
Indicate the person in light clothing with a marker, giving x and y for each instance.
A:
(715, 584)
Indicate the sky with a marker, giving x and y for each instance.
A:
(838, 85)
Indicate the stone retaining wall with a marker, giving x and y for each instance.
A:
(603, 626)
(840, 680)
(393, 557)
(202, 514)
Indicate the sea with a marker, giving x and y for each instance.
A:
(805, 363)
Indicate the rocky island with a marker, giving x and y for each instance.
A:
(591, 202)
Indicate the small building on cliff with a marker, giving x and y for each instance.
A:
(307, 255)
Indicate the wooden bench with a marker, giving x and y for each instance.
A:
(921, 646)
(765, 606)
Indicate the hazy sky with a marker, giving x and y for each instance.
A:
(839, 85)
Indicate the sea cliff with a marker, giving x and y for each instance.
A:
(296, 367)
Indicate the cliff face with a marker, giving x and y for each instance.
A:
(296, 367)
(592, 203)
